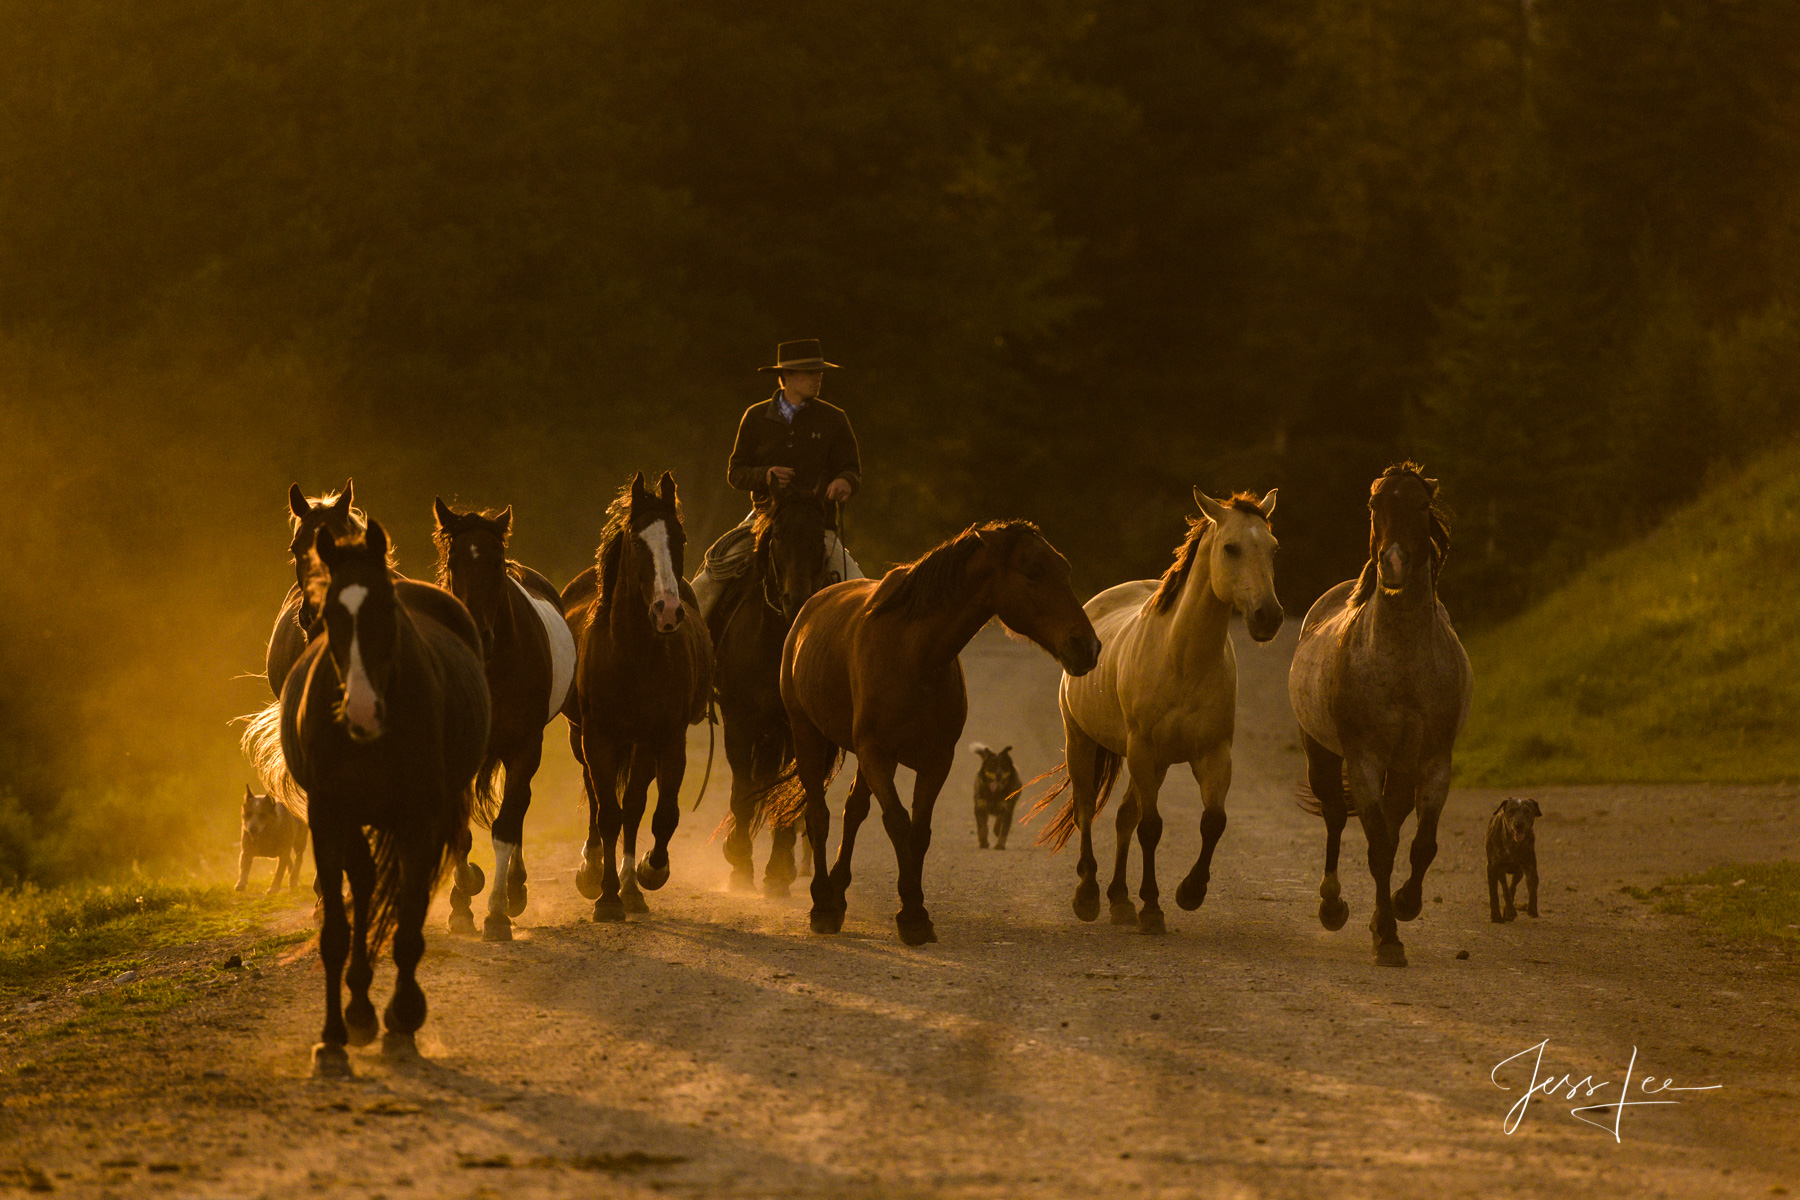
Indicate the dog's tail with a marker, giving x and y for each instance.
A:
(1062, 827)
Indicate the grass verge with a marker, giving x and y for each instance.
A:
(1745, 902)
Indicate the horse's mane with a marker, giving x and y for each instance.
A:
(1440, 516)
(918, 587)
(1168, 590)
(612, 543)
(358, 517)
(440, 537)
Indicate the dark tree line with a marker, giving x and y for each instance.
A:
(1078, 258)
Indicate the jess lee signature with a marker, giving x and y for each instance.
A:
(1542, 1085)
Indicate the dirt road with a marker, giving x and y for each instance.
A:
(717, 1048)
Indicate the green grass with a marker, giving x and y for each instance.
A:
(1746, 902)
(77, 935)
(1674, 659)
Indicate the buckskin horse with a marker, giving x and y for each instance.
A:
(529, 655)
(643, 675)
(787, 567)
(1165, 692)
(871, 667)
(1381, 687)
(383, 721)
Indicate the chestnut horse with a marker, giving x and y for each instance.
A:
(1165, 692)
(643, 675)
(383, 720)
(788, 566)
(871, 667)
(529, 655)
(1381, 687)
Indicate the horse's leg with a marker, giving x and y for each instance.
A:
(856, 811)
(1431, 792)
(507, 899)
(671, 766)
(359, 865)
(1081, 756)
(587, 878)
(813, 756)
(1325, 776)
(740, 754)
(927, 783)
(779, 874)
(405, 1010)
(604, 818)
(1118, 892)
(1147, 777)
(466, 881)
(328, 1057)
(878, 770)
(1212, 771)
(1366, 775)
(637, 793)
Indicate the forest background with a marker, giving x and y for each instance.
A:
(1075, 257)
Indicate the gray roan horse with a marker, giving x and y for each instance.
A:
(1381, 687)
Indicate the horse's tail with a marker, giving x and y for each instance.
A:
(1062, 827)
(262, 746)
(488, 788)
(1309, 801)
(387, 848)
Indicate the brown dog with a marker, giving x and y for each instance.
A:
(1512, 852)
(270, 831)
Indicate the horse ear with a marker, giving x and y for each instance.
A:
(504, 520)
(637, 487)
(994, 539)
(377, 539)
(1267, 504)
(297, 501)
(1210, 508)
(665, 488)
(345, 501)
(325, 546)
(442, 511)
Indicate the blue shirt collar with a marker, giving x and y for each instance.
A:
(785, 408)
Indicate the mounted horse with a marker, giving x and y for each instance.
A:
(529, 656)
(871, 668)
(383, 720)
(1381, 687)
(1165, 692)
(643, 676)
(750, 624)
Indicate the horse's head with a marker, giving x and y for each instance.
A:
(653, 550)
(306, 516)
(1033, 596)
(472, 561)
(1408, 532)
(1242, 565)
(793, 538)
(362, 624)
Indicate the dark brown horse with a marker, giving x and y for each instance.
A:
(871, 668)
(643, 676)
(751, 623)
(529, 654)
(1381, 687)
(383, 721)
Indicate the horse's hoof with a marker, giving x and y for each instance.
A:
(609, 910)
(496, 929)
(1124, 912)
(471, 879)
(915, 931)
(587, 882)
(1151, 921)
(743, 881)
(360, 1022)
(1390, 954)
(1407, 902)
(1509, 915)
(1087, 900)
(827, 920)
(1333, 913)
(634, 902)
(399, 1047)
(329, 1061)
(1191, 894)
(515, 900)
(462, 923)
(652, 877)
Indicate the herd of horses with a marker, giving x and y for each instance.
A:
(405, 712)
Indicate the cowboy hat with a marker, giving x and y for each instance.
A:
(803, 355)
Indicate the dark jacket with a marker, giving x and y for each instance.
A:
(818, 446)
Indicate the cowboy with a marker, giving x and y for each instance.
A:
(791, 441)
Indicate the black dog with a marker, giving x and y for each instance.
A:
(1512, 852)
(996, 793)
(270, 831)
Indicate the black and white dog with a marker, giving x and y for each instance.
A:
(996, 793)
